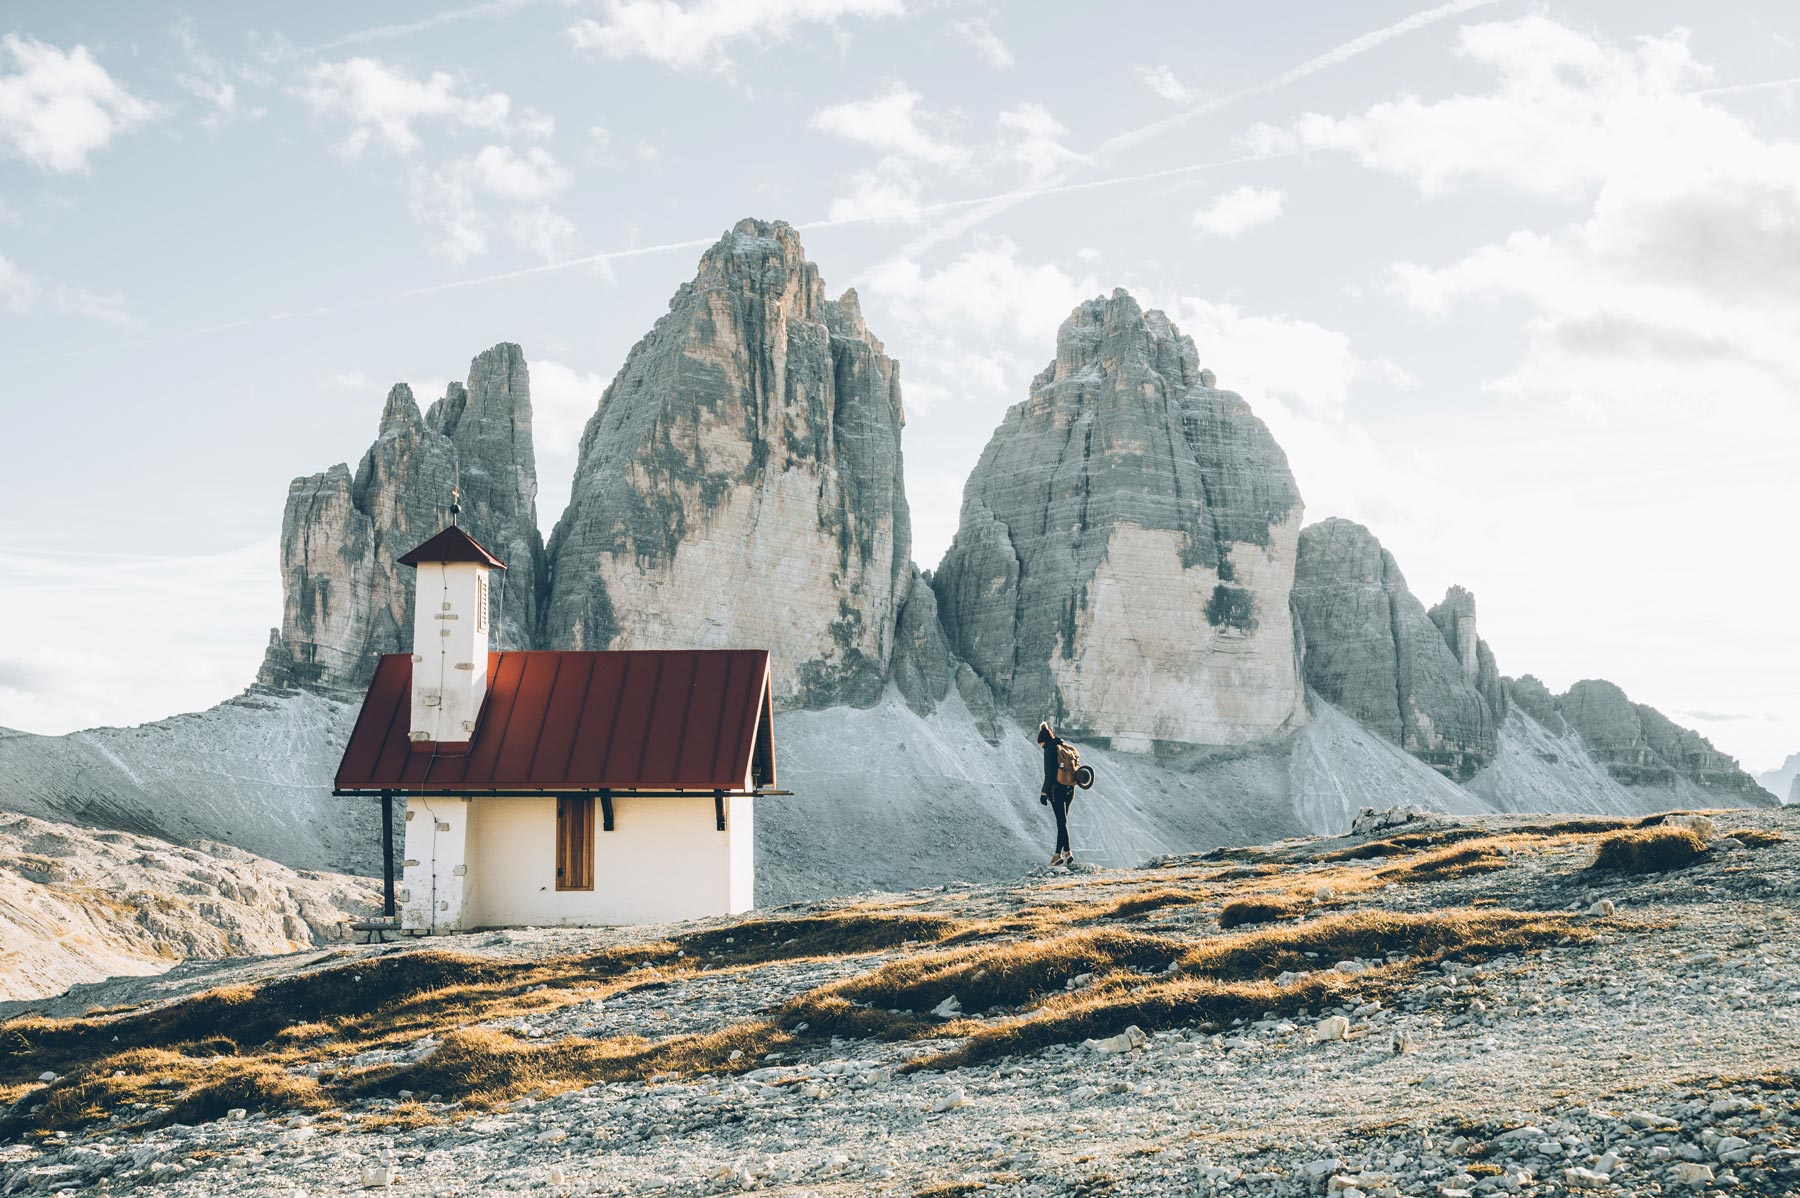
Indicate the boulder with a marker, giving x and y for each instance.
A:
(1126, 547)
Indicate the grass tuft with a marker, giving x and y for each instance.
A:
(1649, 850)
(1262, 909)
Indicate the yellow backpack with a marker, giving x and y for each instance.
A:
(1068, 760)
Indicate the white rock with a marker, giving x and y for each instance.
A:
(948, 1009)
(1731, 1144)
(950, 1101)
(1131, 1038)
(1578, 1178)
(1603, 907)
(1323, 1166)
(1648, 1121)
(1692, 1173)
(1731, 1105)
(1400, 1042)
(47, 1076)
(1701, 825)
(380, 1177)
(1334, 1027)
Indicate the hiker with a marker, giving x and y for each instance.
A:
(1060, 761)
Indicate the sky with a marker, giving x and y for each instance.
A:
(1515, 284)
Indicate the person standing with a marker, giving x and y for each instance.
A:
(1057, 795)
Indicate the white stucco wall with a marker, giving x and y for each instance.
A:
(450, 651)
(665, 860)
(438, 870)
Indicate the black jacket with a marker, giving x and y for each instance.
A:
(1051, 787)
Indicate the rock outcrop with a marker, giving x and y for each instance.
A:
(80, 904)
(1127, 545)
(741, 483)
(1455, 620)
(345, 597)
(1374, 651)
(1638, 745)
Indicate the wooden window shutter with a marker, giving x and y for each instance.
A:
(575, 842)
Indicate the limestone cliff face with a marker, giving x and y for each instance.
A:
(1374, 651)
(741, 483)
(1127, 545)
(345, 600)
(1639, 745)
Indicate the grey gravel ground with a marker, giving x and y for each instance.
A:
(1644, 1062)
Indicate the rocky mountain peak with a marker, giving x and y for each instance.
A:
(1126, 546)
(345, 600)
(741, 482)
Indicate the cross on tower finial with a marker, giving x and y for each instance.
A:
(455, 502)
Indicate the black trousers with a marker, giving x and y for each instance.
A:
(1060, 798)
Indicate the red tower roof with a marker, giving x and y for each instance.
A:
(452, 545)
(682, 720)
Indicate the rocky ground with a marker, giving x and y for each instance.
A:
(81, 904)
(1449, 1008)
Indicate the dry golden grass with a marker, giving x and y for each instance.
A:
(405, 1116)
(1144, 902)
(1649, 850)
(1756, 838)
(1230, 977)
(241, 1046)
(1262, 909)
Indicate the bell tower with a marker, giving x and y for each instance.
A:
(450, 638)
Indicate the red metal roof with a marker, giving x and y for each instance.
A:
(452, 545)
(693, 719)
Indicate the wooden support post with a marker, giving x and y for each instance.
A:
(719, 807)
(387, 853)
(606, 818)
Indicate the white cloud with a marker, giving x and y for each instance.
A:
(212, 81)
(546, 233)
(987, 43)
(1239, 210)
(1567, 110)
(348, 380)
(1163, 82)
(887, 194)
(57, 108)
(893, 123)
(696, 35)
(533, 175)
(21, 291)
(382, 103)
(211, 612)
(443, 202)
(914, 145)
(1680, 274)
(563, 398)
(1031, 137)
(984, 292)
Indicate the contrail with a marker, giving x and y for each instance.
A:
(1312, 66)
(1738, 88)
(828, 223)
(1143, 133)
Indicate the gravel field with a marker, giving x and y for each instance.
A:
(1656, 1057)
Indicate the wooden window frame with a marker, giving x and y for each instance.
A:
(574, 842)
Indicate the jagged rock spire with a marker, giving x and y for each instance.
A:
(741, 482)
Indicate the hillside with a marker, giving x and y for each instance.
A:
(1427, 1006)
(79, 905)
